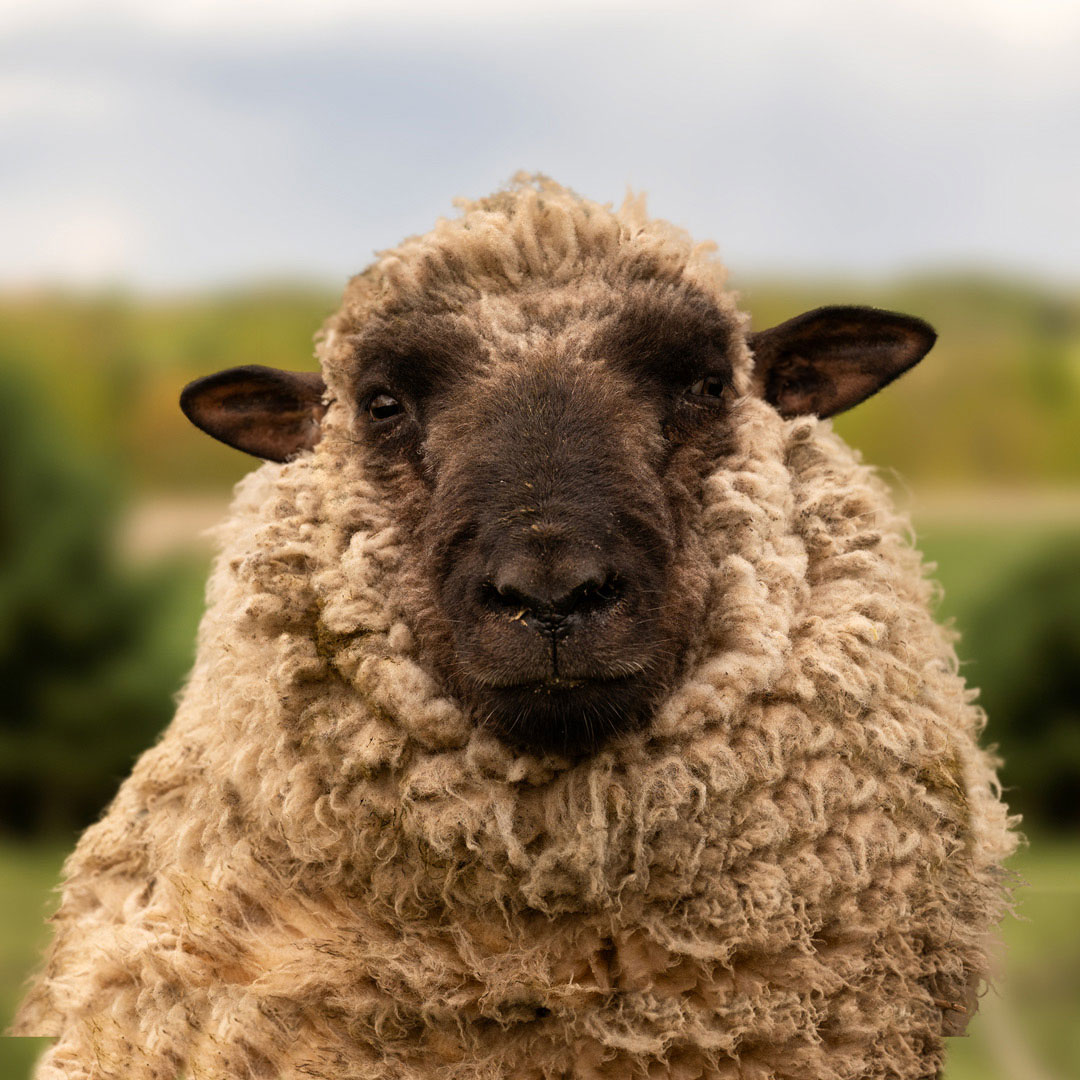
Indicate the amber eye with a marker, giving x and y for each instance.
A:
(712, 386)
(384, 407)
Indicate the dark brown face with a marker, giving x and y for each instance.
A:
(548, 484)
(543, 453)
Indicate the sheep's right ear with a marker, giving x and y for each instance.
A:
(269, 413)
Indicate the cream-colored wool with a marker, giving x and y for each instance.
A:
(324, 870)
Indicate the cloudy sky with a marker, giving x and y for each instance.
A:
(162, 145)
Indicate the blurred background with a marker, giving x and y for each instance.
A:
(185, 187)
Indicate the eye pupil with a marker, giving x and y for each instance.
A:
(383, 407)
(710, 386)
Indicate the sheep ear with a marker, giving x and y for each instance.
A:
(830, 359)
(269, 413)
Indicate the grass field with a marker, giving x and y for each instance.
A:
(29, 873)
(1026, 1028)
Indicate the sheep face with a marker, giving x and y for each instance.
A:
(544, 446)
(545, 452)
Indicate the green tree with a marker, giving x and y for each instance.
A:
(1025, 641)
(89, 659)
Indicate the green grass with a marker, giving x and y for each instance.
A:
(1027, 1026)
(1026, 1029)
(28, 873)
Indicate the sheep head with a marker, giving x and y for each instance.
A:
(542, 435)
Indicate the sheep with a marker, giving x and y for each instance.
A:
(568, 703)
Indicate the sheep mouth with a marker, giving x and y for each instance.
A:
(569, 716)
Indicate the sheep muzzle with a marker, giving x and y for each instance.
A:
(549, 537)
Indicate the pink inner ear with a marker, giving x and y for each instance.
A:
(262, 411)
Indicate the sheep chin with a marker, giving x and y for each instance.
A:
(571, 717)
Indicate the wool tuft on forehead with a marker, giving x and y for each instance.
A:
(534, 231)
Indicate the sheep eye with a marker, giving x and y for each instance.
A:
(711, 386)
(384, 407)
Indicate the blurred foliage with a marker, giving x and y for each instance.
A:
(89, 653)
(996, 401)
(1021, 647)
(1024, 638)
(114, 366)
(92, 650)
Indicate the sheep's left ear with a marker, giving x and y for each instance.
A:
(265, 412)
(830, 359)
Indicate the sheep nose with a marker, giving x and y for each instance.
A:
(551, 598)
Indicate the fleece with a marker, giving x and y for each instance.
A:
(325, 869)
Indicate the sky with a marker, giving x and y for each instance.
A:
(164, 146)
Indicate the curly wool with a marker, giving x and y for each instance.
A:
(324, 869)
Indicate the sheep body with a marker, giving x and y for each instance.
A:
(325, 869)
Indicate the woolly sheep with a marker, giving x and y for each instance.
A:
(567, 703)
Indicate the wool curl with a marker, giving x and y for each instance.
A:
(325, 869)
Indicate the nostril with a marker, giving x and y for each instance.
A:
(593, 595)
(505, 597)
(550, 605)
